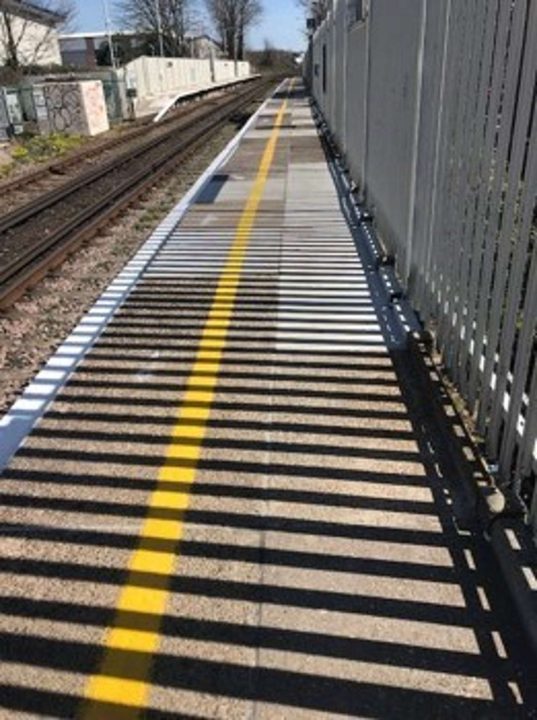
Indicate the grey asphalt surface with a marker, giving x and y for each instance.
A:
(324, 570)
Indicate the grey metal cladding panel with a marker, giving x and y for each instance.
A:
(316, 63)
(393, 81)
(355, 87)
(318, 60)
(333, 50)
(427, 144)
(339, 71)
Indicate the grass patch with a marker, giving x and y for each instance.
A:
(29, 149)
(6, 168)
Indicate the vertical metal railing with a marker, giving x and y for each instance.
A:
(464, 93)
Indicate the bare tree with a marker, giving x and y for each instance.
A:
(317, 10)
(231, 19)
(160, 20)
(267, 57)
(26, 33)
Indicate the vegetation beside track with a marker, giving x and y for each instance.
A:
(41, 234)
(32, 328)
(36, 149)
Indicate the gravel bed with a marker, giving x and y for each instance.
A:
(36, 325)
(48, 221)
(92, 152)
(23, 237)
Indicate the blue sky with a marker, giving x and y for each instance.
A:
(282, 22)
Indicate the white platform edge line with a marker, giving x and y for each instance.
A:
(24, 414)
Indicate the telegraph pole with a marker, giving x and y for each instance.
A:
(159, 28)
(109, 33)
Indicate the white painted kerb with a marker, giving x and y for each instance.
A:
(17, 423)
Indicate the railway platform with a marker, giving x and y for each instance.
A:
(224, 496)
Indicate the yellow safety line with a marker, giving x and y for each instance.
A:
(123, 678)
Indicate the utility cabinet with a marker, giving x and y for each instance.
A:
(11, 115)
(75, 108)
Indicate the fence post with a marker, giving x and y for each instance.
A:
(417, 121)
(363, 180)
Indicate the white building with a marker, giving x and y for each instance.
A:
(203, 47)
(30, 33)
(82, 49)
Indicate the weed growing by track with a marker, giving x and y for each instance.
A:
(35, 149)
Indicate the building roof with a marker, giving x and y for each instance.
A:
(96, 35)
(103, 35)
(127, 33)
(31, 11)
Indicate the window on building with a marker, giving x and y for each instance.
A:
(358, 10)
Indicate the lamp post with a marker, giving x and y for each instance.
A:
(109, 33)
(159, 28)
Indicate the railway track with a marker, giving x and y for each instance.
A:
(39, 235)
(56, 170)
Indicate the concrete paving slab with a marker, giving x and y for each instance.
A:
(323, 566)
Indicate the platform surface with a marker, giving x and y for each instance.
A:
(227, 511)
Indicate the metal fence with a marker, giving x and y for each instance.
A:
(433, 103)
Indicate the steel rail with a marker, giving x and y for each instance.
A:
(26, 212)
(33, 264)
(139, 127)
